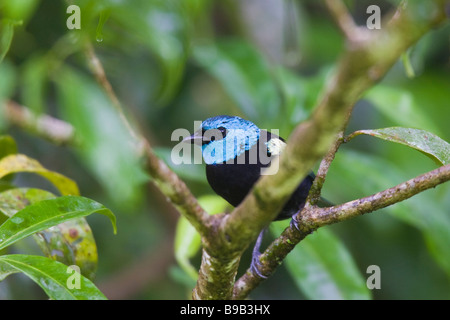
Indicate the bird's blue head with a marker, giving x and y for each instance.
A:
(223, 138)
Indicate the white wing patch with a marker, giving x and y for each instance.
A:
(275, 146)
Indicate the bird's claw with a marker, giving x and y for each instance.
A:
(256, 266)
(256, 263)
(294, 223)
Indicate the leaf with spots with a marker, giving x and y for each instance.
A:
(20, 163)
(70, 242)
(47, 213)
(57, 280)
(427, 143)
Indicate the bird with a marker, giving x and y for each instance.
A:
(236, 152)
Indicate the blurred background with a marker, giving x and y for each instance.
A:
(174, 62)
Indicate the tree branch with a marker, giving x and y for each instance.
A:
(45, 126)
(344, 21)
(363, 64)
(314, 217)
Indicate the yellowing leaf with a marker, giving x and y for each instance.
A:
(21, 163)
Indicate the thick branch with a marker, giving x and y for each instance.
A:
(314, 217)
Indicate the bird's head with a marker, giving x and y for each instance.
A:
(224, 138)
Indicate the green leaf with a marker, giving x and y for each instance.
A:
(7, 81)
(6, 36)
(400, 107)
(244, 74)
(7, 146)
(187, 240)
(187, 244)
(323, 268)
(33, 89)
(20, 163)
(19, 9)
(409, 69)
(70, 242)
(47, 213)
(107, 146)
(7, 86)
(159, 26)
(57, 280)
(299, 94)
(429, 144)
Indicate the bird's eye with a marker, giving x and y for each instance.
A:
(223, 131)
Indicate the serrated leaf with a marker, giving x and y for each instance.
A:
(70, 242)
(429, 144)
(323, 268)
(55, 278)
(47, 213)
(21, 163)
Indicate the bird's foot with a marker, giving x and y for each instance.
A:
(256, 263)
(294, 223)
(256, 266)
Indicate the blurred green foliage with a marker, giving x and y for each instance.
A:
(173, 62)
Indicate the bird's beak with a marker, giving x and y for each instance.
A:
(196, 138)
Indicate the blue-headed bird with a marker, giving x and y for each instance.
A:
(236, 153)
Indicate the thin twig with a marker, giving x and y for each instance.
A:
(344, 20)
(44, 126)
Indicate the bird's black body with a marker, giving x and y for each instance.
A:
(235, 151)
(234, 181)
